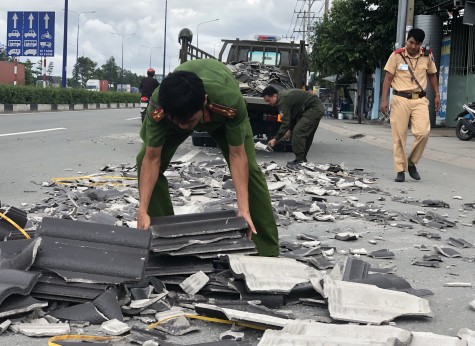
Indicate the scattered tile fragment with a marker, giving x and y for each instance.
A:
(434, 203)
(194, 283)
(115, 327)
(361, 251)
(321, 334)
(4, 326)
(429, 235)
(382, 254)
(41, 328)
(432, 264)
(427, 338)
(345, 236)
(459, 242)
(447, 252)
(458, 284)
(355, 302)
(264, 274)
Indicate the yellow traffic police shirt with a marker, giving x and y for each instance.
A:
(420, 64)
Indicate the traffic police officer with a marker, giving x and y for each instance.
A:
(407, 71)
(204, 95)
(300, 112)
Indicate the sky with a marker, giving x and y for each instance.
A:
(146, 20)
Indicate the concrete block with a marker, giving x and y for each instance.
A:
(102, 105)
(44, 108)
(2, 108)
(60, 107)
(20, 107)
(122, 105)
(113, 105)
(79, 107)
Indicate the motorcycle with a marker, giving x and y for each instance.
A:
(465, 129)
(143, 106)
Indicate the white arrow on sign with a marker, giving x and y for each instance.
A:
(15, 18)
(31, 18)
(46, 18)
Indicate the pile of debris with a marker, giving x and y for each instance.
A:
(254, 77)
(85, 264)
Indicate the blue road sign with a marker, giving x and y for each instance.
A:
(30, 33)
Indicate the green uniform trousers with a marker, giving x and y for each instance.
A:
(304, 131)
(266, 239)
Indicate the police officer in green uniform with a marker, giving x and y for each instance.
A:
(301, 112)
(203, 95)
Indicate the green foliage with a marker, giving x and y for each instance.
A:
(17, 94)
(357, 34)
(30, 78)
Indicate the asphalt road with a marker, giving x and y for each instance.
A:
(86, 141)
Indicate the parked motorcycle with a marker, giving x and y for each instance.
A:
(465, 129)
(143, 106)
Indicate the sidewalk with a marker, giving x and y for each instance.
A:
(443, 146)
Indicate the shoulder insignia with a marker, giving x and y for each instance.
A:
(424, 49)
(400, 50)
(157, 114)
(225, 111)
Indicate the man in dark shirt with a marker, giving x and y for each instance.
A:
(148, 84)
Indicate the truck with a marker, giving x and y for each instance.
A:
(97, 85)
(124, 87)
(290, 57)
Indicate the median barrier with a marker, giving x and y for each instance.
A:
(34, 107)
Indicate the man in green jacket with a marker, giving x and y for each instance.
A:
(300, 113)
(203, 95)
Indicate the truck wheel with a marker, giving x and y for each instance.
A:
(198, 141)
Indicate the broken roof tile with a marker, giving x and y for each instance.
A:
(307, 333)
(263, 274)
(89, 252)
(355, 302)
(16, 282)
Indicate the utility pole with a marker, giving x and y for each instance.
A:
(307, 17)
(409, 15)
(326, 9)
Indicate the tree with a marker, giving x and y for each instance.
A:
(30, 76)
(50, 69)
(358, 35)
(38, 71)
(85, 69)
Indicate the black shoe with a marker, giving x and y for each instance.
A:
(294, 162)
(400, 177)
(413, 173)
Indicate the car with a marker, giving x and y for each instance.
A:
(30, 33)
(30, 52)
(14, 33)
(44, 44)
(46, 35)
(14, 51)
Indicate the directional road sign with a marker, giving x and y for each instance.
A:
(30, 33)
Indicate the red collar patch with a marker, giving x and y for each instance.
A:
(157, 115)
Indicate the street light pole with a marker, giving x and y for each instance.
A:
(150, 60)
(77, 40)
(198, 28)
(122, 67)
(165, 40)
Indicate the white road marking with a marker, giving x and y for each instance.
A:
(133, 118)
(188, 156)
(28, 132)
